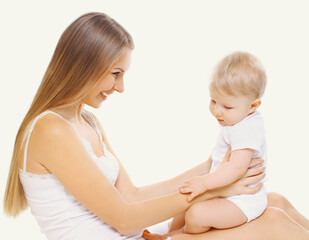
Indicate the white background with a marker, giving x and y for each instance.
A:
(161, 126)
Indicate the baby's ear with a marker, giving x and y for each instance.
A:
(255, 104)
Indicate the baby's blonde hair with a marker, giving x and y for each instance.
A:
(239, 73)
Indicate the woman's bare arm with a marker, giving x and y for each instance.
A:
(157, 189)
(61, 151)
(224, 175)
(132, 193)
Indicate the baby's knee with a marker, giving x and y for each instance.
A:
(194, 222)
(192, 216)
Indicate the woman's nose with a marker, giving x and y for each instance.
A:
(119, 86)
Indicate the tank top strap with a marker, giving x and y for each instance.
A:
(29, 131)
(91, 119)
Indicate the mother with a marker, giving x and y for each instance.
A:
(64, 168)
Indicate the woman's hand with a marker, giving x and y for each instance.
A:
(254, 174)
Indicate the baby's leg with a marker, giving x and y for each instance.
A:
(176, 227)
(178, 222)
(217, 213)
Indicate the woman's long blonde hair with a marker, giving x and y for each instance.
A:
(86, 51)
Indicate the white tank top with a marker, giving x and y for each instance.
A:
(59, 214)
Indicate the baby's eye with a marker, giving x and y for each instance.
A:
(226, 107)
(212, 101)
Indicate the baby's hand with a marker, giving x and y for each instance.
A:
(195, 186)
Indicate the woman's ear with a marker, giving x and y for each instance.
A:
(255, 104)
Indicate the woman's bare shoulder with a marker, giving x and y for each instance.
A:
(51, 124)
(51, 129)
(47, 133)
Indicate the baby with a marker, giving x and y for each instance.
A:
(236, 88)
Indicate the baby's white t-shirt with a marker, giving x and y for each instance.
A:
(248, 133)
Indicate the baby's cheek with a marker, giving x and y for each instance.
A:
(233, 119)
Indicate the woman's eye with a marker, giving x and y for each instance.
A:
(115, 74)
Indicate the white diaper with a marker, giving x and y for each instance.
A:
(252, 205)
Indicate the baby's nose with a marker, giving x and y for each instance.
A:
(217, 112)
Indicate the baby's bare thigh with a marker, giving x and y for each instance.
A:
(218, 213)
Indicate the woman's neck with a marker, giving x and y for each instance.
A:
(72, 113)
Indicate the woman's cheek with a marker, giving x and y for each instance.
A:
(108, 84)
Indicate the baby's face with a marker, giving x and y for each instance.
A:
(229, 110)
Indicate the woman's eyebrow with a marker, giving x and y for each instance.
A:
(119, 69)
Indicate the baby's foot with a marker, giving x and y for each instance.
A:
(149, 236)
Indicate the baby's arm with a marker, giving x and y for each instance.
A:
(224, 175)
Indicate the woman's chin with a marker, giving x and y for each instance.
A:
(94, 105)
